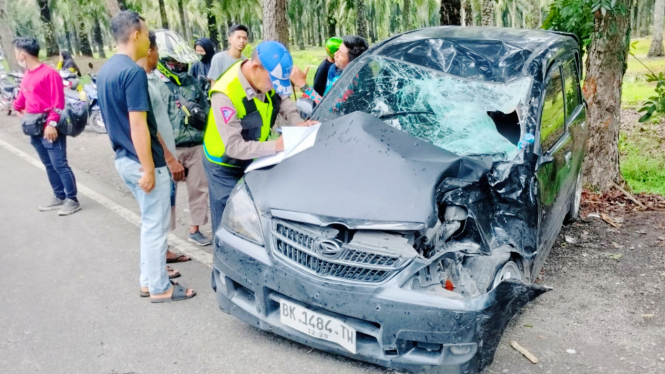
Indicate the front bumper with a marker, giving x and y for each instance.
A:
(396, 327)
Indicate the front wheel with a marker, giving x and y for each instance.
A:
(96, 123)
(573, 214)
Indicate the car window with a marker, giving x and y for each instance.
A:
(552, 121)
(572, 85)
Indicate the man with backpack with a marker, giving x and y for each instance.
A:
(41, 100)
(188, 109)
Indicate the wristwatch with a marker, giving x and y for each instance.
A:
(53, 124)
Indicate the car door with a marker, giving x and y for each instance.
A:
(575, 116)
(555, 164)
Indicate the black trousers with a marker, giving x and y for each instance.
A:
(221, 180)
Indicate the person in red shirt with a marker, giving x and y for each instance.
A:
(42, 91)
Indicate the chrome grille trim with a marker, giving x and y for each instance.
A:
(294, 243)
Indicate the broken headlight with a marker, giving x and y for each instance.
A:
(241, 216)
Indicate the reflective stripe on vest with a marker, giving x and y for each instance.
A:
(256, 118)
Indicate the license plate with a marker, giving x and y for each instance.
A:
(318, 325)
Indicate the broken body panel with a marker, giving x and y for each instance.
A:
(426, 249)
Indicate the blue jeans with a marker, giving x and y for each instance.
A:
(221, 180)
(155, 217)
(54, 158)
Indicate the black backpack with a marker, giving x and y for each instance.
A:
(73, 118)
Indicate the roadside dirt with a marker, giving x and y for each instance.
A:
(605, 314)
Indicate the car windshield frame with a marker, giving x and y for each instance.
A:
(329, 107)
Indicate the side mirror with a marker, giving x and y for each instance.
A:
(545, 159)
(90, 65)
(305, 107)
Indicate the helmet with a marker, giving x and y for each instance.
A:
(332, 45)
(171, 45)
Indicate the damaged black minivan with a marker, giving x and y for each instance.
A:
(413, 230)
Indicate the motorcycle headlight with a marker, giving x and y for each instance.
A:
(241, 216)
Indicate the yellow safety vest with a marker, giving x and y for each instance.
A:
(256, 118)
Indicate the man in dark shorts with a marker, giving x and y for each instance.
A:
(126, 109)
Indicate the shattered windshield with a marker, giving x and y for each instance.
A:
(463, 116)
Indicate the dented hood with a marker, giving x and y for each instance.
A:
(362, 169)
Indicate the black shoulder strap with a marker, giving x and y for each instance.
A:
(250, 105)
(276, 101)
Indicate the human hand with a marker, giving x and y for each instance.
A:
(307, 123)
(147, 181)
(298, 77)
(279, 145)
(50, 134)
(177, 170)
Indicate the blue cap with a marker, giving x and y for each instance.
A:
(277, 60)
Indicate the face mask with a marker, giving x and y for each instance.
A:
(201, 53)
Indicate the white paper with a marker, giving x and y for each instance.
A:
(296, 140)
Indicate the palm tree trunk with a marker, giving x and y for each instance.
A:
(606, 64)
(275, 25)
(6, 37)
(183, 21)
(332, 21)
(83, 39)
(513, 14)
(162, 14)
(98, 38)
(114, 6)
(212, 24)
(487, 13)
(468, 13)
(52, 48)
(361, 21)
(68, 38)
(657, 41)
(451, 12)
(406, 15)
(535, 14)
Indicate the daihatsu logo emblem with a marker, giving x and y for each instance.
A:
(328, 248)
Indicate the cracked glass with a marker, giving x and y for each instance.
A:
(463, 116)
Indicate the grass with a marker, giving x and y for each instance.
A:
(642, 159)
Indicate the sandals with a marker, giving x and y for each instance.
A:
(147, 294)
(173, 273)
(179, 294)
(179, 258)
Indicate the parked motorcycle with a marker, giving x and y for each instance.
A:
(95, 120)
(69, 79)
(9, 90)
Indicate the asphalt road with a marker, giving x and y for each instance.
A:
(69, 296)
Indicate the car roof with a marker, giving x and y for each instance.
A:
(497, 54)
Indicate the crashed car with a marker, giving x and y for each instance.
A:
(414, 229)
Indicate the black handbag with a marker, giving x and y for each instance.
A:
(33, 124)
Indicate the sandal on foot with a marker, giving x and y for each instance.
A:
(179, 293)
(178, 258)
(173, 273)
(147, 294)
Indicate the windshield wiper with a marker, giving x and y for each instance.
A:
(397, 114)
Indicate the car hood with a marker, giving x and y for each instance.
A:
(362, 169)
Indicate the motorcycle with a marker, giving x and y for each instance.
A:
(69, 79)
(8, 90)
(95, 120)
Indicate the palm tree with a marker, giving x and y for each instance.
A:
(656, 48)
(162, 13)
(488, 13)
(361, 20)
(275, 26)
(451, 12)
(6, 36)
(52, 48)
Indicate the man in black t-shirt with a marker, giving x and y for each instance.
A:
(139, 158)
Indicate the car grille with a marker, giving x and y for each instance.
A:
(296, 244)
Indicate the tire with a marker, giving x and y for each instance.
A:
(575, 204)
(96, 123)
(509, 270)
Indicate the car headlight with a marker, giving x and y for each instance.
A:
(241, 216)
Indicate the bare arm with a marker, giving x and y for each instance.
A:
(141, 139)
(176, 169)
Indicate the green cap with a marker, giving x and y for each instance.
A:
(332, 45)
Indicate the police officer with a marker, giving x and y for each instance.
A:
(245, 102)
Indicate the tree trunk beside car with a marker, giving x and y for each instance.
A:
(361, 21)
(487, 11)
(606, 65)
(656, 48)
(162, 14)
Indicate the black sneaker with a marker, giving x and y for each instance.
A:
(54, 204)
(69, 207)
(199, 239)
